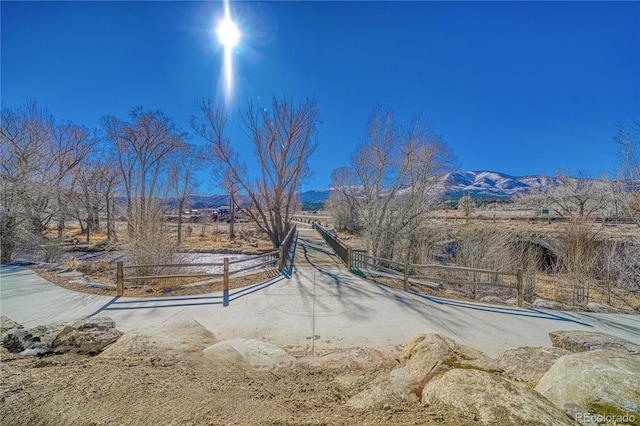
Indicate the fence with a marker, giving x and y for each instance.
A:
(341, 249)
(359, 259)
(270, 259)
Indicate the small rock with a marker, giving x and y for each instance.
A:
(95, 323)
(34, 352)
(71, 275)
(16, 340)
(491, 299)
(548, 304)
(53, 266)
(144, 288)
(100, 285)
(88, 342)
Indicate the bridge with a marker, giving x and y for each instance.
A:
(315, 306)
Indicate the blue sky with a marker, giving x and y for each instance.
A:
(515, 87)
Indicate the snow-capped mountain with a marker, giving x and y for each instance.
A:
(483, 184)
(480, 185)
(486, 184)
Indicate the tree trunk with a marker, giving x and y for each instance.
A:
(180, 208)
(232, 215)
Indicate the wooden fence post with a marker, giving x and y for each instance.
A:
(520, 289)
(225, 274)
(348, 258)
(119, 279)
(406, 274)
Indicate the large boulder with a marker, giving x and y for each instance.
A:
(490, 399)
(424, 358)
(529, 364)
(600, 382)
(165, 341)
(580, 341)
(257, 353)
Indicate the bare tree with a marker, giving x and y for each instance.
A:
(283, 140)
(392, 182)
(627, 186)
(38, 157)
(466, 204)
(27, 166)
(143, 146)
(182, 181)
(569, 196)
(97, 183)
(71, 145)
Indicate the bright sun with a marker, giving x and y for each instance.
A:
(228, 33)
(229, 36)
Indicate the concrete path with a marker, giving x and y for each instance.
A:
(317, 306)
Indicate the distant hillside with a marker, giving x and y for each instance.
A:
(480, 185)
(486, 185)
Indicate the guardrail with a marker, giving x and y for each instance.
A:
(359, 259)
(341, 249)
(406, 272)
(278, 257)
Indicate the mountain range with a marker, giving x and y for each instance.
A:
(490, 185)
(480, 185)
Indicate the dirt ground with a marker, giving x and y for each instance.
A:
(82, 390)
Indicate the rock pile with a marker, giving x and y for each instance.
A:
(533, 386)
(88, 336)
(586, 378)
(441, 372)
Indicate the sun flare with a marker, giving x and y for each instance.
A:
(229, 36)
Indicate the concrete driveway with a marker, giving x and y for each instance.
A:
(315, 307)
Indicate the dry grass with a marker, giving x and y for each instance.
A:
(203, 238)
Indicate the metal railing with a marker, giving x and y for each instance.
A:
(408, 273)
(271, 258)
(341, 249)
(359, 259)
